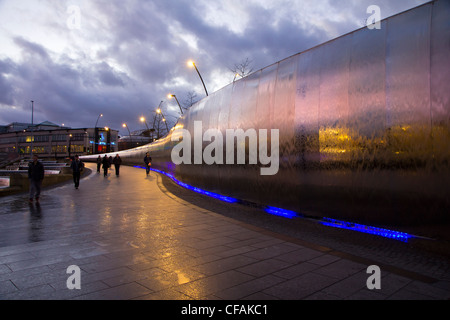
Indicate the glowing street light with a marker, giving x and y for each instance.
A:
(174, 96)
(32, 127)
(143, 120)
(192, 64)
(149, 131)
(70, 143)
(95, 140)
(100, 115)
(159, 111)
(126, 126)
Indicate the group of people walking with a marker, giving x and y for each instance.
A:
(36, 171)
(106, 163)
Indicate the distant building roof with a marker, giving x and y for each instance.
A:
(17, 126)
(48, 123)
(20, 126)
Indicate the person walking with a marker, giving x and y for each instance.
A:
(117, 162)
(105, 163)
(77, 167)
(36, 176)
(148, 162)
(99, 164)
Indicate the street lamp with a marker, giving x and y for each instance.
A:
(192, 64)
(95, 140)
(131, 139)
(70, 143)
(149, 131)
(159, 111)
(108, 140)
(100, 115)
(143, 120)
(174, 96)
(32, 125)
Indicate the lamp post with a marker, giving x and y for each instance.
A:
(174, 96)
(94, 147)
(143, 120)
(108, 140)
(32, 127)
(159, 111)
(131, 139)
(70, 143)
(149, 131)
(100, 115)
(192, 64)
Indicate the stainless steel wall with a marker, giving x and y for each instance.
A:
(363, 122)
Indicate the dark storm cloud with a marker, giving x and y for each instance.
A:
(63, 93)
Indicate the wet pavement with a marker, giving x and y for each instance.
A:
(145, 238)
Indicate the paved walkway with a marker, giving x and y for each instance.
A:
(132, 238)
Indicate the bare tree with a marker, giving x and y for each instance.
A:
(243, 68)
(159, 125)
(190, 100)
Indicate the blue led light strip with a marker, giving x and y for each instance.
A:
(198, 190)
(396, 235)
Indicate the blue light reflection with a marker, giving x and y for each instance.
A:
(396, 235)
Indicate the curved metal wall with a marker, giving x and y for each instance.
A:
(363, 124)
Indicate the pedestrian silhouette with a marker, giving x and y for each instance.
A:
(77, 167)
(117, 162)
(148, 162)
(99, 164)
(36, 176)
(105, 163)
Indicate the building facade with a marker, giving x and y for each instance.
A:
(49, 140)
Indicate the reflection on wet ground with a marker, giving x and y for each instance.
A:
(22, 222)
(36, 223)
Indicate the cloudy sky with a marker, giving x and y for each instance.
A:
(79, 58)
